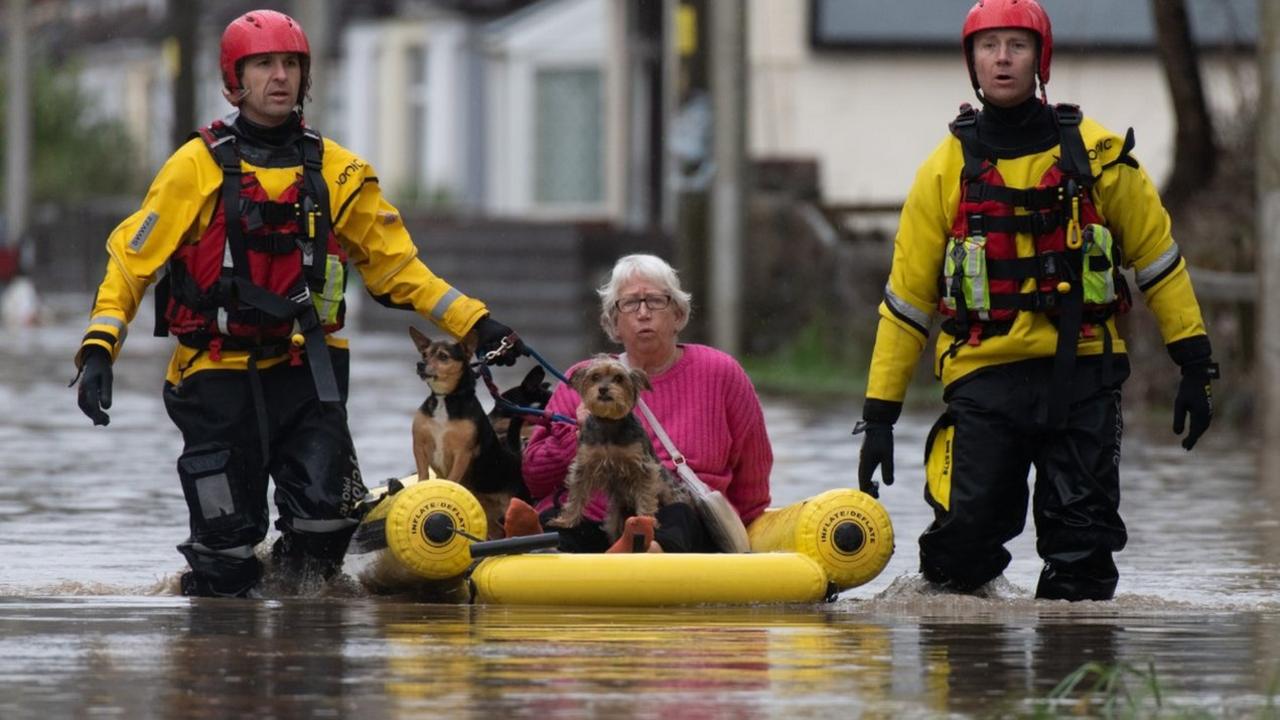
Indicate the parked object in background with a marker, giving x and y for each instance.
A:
(19, 302)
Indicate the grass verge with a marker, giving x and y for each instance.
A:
(809, 367)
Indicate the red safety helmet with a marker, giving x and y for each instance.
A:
(1025, 14)
(263, 31)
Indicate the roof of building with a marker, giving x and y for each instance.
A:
(1081, 24)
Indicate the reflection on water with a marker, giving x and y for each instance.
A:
(139, 658)
(89, 624)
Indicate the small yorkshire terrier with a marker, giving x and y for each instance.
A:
(614, 452)
(453, 436)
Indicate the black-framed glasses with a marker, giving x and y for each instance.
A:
(653, 302)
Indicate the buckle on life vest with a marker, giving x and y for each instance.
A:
(1086, 331)
(295, 355)
(975, 335)
(1068, 114)
(976, 224)
(1075, 237)
(215, 348)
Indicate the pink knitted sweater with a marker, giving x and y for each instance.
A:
(708, 407)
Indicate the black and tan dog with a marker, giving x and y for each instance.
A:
(453, 436)
(614, 452)
(513, 428)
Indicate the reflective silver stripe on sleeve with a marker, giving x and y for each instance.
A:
(1161, 265)
(442, 305)
(122, 329)
(241, 552)
(321, 526)
(906, 310)
(144, 231)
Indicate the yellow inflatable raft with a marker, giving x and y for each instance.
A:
(429, 532)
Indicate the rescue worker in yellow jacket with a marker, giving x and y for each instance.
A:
(1014, 232)
(249, 228)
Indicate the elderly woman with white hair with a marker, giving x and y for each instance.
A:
(701, 397)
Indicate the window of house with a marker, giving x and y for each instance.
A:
(568, 136)
(416, 105)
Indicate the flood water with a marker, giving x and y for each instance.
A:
(90, 625)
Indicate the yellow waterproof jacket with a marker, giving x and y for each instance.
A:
(180, 205)
(1130, 207)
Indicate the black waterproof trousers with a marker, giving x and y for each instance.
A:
(234, 439)
(994, 430)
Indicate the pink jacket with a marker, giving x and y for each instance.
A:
(708, 407)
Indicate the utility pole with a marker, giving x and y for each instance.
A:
(17, 167)
(728, 188)
(316, 19)
(641, 49)
(689, 150)
(183, 18)
(1268, 230)
(670, 101)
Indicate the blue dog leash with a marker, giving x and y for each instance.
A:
(482, 367)
(543, 362)
(509, 342)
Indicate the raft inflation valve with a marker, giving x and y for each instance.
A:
(848, 538)
(435, 529)
(847, 532)
(438, 528)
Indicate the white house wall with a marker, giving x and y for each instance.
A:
(446, 141)
(130, 83)
(376, 118)
(509, 154)
(563, 30)
(360, 69)
(870, 118)
(563, 34)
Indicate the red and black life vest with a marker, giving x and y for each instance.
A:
(1076, 265)
(265, 272)
(1072, 243)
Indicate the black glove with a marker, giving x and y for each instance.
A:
(1194, 398)
(878, 417)
(1195, 356)
(94, 393)
(497, 344)
(877, 450)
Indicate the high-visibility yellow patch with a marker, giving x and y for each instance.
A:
(686, 30)
(937, 471)
(329, 300)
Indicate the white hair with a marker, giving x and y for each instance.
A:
(645, 267)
